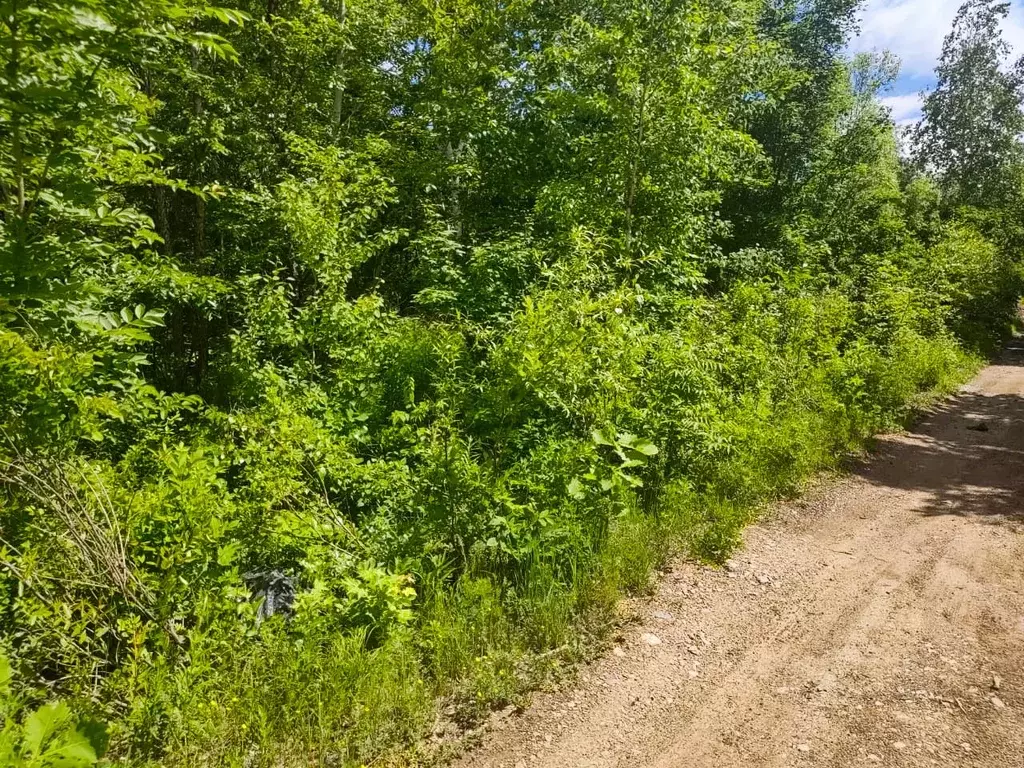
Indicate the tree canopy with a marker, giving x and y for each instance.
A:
(970, 135)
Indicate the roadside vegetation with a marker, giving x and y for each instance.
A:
(357, 355)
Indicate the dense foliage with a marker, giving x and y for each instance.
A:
(356, 354)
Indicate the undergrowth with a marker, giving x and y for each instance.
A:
(540, 526)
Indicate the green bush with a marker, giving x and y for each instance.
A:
(48, 736)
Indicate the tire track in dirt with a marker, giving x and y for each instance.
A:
(878, 621)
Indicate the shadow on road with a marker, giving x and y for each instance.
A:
(967, 455)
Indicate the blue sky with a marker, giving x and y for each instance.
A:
(914, 30)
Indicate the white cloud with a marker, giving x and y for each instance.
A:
(914, 30)
(906, 109)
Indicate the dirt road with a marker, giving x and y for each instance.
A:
(877, 622)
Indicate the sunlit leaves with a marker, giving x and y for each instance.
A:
(972, 121)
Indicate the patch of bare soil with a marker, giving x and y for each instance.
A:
(877, 622)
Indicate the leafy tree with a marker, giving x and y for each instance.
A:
(972, 123)
(795, 114)
(853, 192)
(76, 130)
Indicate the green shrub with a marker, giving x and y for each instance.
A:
(48, 736)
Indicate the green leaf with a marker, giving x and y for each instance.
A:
(625, 438)
(646, 448)
(71, 750)
(92, 20)
(42, 724)
(6, 674)
(227, 553)
(9, 746)
(226, 15)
